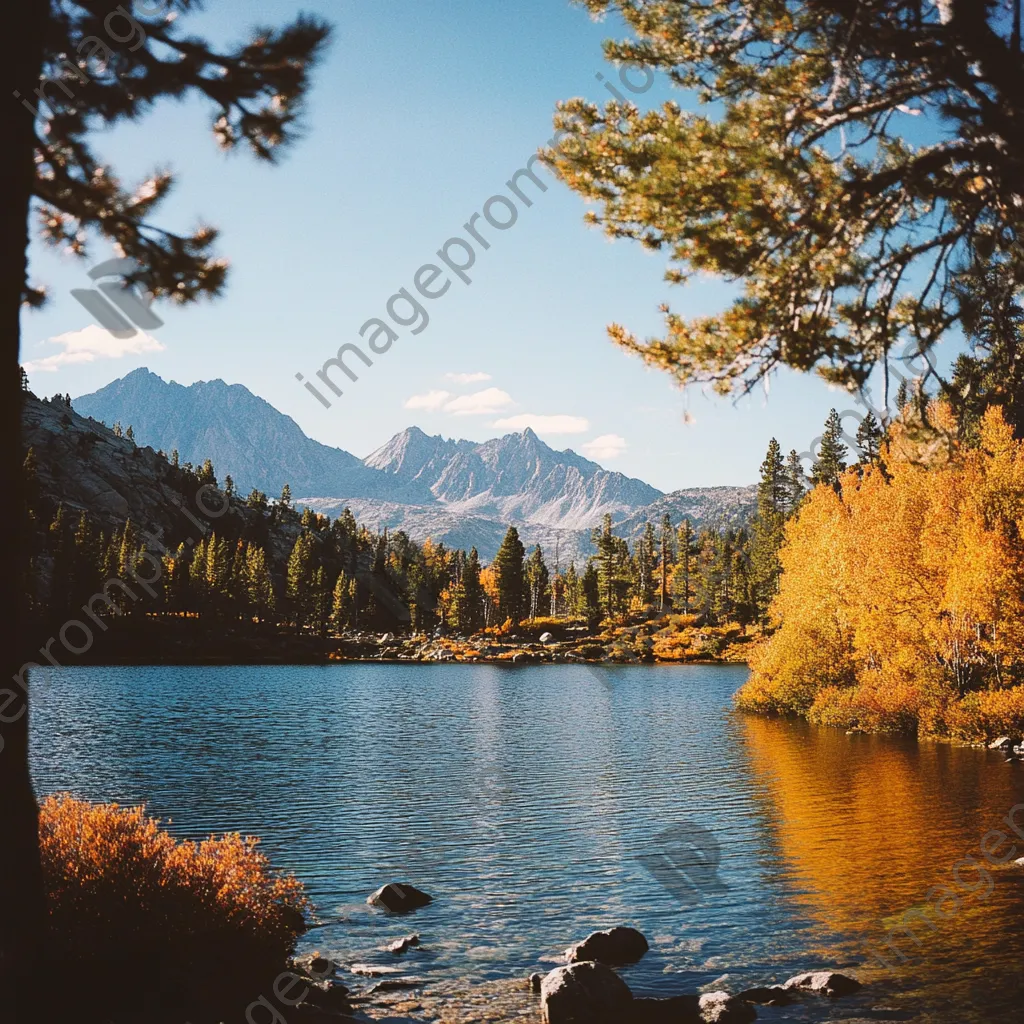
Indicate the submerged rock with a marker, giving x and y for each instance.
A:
(585, 993)
(614, 946)
(767, 995)
(823, 983)
(403, 944)
(399, 897)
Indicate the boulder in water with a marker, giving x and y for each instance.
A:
(399, 897)
(403, 944)
(823, 983)
(614, 946)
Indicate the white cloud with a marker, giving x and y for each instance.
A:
(558, 424)
(480, 403)
(429, 402)
(607, 446)
(468, 378)
(88, 345)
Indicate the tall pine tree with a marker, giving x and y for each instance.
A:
(831, 460)
(511, 577)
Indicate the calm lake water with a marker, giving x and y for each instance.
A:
(534, 803)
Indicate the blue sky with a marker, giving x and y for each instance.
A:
(419, 114)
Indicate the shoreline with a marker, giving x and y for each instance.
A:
(169, 641)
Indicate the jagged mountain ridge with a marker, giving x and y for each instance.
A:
(515, 478)
(461, 492)
(243, 434)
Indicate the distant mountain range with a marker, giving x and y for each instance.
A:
(463, 493)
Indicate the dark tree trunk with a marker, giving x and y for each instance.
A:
(22, 910)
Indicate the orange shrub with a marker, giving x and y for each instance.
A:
(882, 703)
(117, 884)
(987, 715)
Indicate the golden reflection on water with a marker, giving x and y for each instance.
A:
(863, 828)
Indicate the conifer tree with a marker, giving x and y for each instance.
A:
(257, 500)
(869, 440)
(573, 593)
(175, 578)
(537, 582)
(590, 595)
(197, 587)
(473, 593)
(343, 603)
(238, 582)
(85, 579)
(646, 563)
(902, 398)
(218, 573)
(768, 528)
(796, 483)
(259, 584)
(831, 460)
(613, 567)
(665, 562)
(682, 575)
(321, 601)
(60, 549)
(300, 580)
(510, 575)
(778, 82)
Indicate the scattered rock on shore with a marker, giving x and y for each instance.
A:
(614, 946)
(585, 993)
(824, 983)
(399, 897)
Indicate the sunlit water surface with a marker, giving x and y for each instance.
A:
(532, 803)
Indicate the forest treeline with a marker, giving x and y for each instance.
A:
(268, 564)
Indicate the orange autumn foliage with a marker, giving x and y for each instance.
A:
(117, 883)
(901, 606)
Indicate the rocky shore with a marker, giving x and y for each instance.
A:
(662, 639)
(585, 989)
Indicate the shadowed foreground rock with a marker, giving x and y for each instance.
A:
(614, 946)
(585, 993)
(399, 897)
